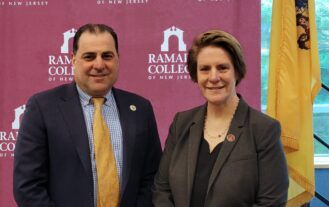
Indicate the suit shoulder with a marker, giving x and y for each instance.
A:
(52, 91)
(52, 94)
(127, 95)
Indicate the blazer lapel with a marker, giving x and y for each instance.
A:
(73, 115)
(234, 130)
(128, 125)
(194, 138)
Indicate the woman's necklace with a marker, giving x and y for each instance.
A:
(224, 131)
(217, 136)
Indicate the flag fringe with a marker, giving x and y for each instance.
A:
(290, 144)
(299, 200)
(301, 180)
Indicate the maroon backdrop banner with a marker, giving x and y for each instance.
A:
(154, 36)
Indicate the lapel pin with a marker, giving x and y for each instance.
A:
(230, 138)
(133, 107)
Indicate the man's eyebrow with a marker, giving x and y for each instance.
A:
(89, 53)
(94, 53)
(107, 52)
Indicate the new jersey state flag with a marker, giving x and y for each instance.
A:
(294, 81)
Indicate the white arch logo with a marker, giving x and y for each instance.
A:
(18, 112)
(173, 31)
(66, 37)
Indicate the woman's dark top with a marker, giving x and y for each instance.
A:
(205, 164)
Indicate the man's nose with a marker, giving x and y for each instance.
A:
(99, 63)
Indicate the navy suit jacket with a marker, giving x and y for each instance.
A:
(52, 165)
(250, 169)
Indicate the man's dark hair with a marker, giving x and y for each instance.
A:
(94, 29)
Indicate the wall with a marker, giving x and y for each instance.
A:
(36, 38)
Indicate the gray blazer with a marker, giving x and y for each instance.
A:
(250, 170)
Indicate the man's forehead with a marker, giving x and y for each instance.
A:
(101, 41)
(88, 34)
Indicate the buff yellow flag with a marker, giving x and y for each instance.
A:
(294, 81)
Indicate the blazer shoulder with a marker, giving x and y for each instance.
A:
(261, 118)
(191, 112)
(265, 129)
(245, 114)
(51, 95)
(186, 118)
(55, 92)
(128, 96)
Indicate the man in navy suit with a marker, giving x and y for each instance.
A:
(54, 161)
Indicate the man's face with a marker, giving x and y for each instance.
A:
(96, 63)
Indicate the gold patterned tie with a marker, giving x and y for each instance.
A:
(107, 175)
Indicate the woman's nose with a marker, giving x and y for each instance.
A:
(214, 75)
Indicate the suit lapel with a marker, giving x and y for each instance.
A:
(194, 138)
(128, 125)
(235, 130)
(70, 107)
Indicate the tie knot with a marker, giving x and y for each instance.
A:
(98, 102)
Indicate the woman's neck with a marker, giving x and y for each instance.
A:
(223, 111)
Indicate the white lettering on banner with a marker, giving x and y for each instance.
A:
(61, 70)
(183, 77)
(4, 136)
(3, 155)
(7, 142)
(169, 77)
(165, 77)
(25, 3)
(15, 3)
(60, 66)
(167, 69)
(60, 79)
(36, 3)
(66, 79)
(7, 146)
(168, 58)
(8, 138)
(60, 60)
(115, 1)
(122, 2)
(163, 63)
(136, 1)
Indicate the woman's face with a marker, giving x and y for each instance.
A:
(216, 75)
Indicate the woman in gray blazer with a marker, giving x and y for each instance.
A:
(223, 153)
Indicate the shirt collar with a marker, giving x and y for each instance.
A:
(86, 99)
